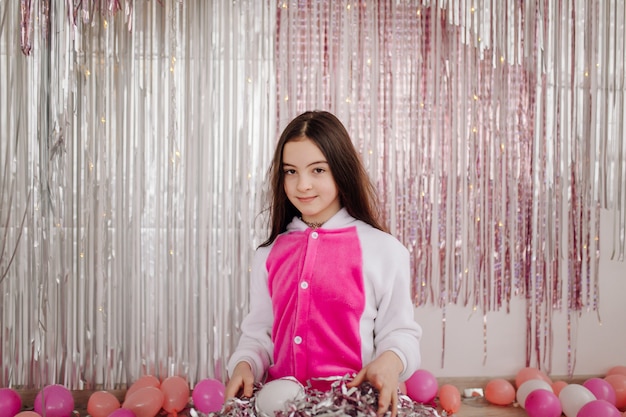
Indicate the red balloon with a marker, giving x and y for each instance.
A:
(145, 402)
(55, 401)
(450, 398)
(499, 391)
(10, 402)
(208, 395)
(176, 394)
(102, 403)
(144, 381)
(422, 386)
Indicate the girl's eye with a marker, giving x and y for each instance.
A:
(319, 170)
(289, 171)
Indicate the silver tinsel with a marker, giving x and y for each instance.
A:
(339, 400)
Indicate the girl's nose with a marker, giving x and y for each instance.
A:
(304, 183)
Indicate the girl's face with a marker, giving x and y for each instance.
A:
(308, 182)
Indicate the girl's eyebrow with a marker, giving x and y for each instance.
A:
(312, 163)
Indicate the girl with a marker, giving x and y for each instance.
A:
(329, 288)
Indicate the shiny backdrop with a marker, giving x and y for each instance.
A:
(136, 137)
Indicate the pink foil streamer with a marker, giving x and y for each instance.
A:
(472, 180)
(25, 22)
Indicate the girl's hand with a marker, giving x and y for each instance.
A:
(241, 381)
(383, 374)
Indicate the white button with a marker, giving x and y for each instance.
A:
(314, 235)
(297, 340)
(304, 285)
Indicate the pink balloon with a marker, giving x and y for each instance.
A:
(176, 394)
(597, 408)
(10, 402)
(122, 412)
(529, 386)
(145, 402)
(208, 395)
(542, 403)
(55, 401)
(602, 389)
(422, 386)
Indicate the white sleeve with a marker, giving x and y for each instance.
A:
(255, 344)
(395, 327)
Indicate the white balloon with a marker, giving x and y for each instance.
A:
(528, 387)
(573, 397)
(274, 395)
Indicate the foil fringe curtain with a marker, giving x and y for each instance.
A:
(133, 130)
(487, 125)
(136, 137)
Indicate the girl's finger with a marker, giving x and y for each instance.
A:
(394, 403)
(358, 379)
(385, 398)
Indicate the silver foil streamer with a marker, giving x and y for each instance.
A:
(136, 135)
(339, 400)
(135, 139)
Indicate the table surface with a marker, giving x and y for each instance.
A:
(479, 407)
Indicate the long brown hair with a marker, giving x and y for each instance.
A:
(356, 192)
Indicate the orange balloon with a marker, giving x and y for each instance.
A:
(527, 373)
(102, 403)
(499, 391)
(450, 398)
(176, 394)
(27, 414)
(557, 386)
(145, 402)
(618, 382)
(617, 370)
(144, 381)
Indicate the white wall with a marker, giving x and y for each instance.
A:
(600, 344)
